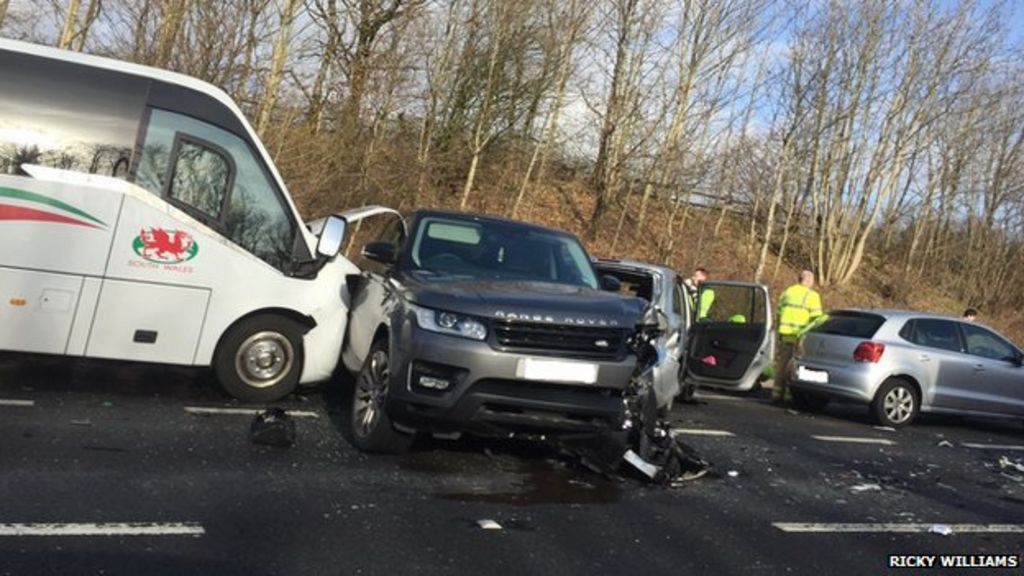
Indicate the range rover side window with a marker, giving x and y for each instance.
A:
(934, 333)
(984, 343)
(246, 207)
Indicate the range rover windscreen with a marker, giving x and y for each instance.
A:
(456, 249)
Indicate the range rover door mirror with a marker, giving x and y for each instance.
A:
(610, 283)
(331, 236)
(383, 252)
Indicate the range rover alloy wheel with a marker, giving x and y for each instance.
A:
(372, 430)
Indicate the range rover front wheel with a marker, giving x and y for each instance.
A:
(371, 427)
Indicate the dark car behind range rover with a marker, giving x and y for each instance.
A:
(466, 323)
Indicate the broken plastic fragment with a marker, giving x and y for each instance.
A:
(943, 529)
(733, 473)
(1005, 462)
(488, 524)
(640, 464)
(885, 428)
(865, 488)
(945, 444)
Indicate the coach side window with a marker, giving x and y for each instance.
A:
(66, 116)
(214, 176)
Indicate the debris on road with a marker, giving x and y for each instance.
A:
(644, 442)
(273, 427)
(85, 422)
(885, 428)
(1005, 464)
(733, 473)
(942, 529)
(488, 524)
(865, 488)
(646, 467)
(945, 444)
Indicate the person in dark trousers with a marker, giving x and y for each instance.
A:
(799, 306)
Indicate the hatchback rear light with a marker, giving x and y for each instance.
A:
(869, 352)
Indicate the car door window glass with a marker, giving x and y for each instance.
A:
(935, 333)
(732, 304)
(255, 216)
(984, 343)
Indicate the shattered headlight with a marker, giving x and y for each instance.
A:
(449, 323)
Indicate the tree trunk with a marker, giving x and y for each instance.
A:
(70, 28)
(277, 65)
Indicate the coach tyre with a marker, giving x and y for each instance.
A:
(372, 430)
(896, 403)
(260, 358)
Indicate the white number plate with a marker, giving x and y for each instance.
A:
(557, 371)
(808, 375)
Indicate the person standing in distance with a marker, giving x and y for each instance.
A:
(799, 306)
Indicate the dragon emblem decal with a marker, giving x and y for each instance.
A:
(165, 246)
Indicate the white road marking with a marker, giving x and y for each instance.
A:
(822, 528)
(12, 402)
(209, 410)
(993, 446)
(104, 529)
(700, 432)
(854, 440)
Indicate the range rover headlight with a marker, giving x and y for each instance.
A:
(449, 323)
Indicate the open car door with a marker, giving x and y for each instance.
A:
(731, 341)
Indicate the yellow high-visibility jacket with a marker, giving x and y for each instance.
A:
(701, 309)
(798, 307)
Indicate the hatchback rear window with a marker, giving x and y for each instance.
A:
(853, 324)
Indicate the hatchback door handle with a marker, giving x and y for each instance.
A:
(925, 358)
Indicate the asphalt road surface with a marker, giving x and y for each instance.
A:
(111, 469)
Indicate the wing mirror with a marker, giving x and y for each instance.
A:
(383, 252)
(331, 236)
(610, 283)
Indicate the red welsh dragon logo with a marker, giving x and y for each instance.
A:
(165, 246)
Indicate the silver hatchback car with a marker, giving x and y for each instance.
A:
(902, 363)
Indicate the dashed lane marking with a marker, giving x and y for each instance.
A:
(854, 440)
(700, 432)
(209, 410)
(103, 529)
(992, 446)
(822, 528)
(14, 402)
